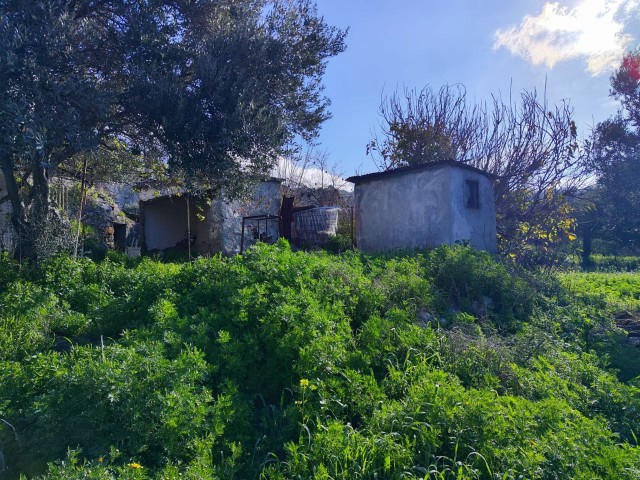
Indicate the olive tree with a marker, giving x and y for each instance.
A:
(216, 88)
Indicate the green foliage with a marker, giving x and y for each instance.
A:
(9, 270)
(474, 282)
(625, 85)
(279, 364)
(602, 296)
(609, 215)
(608, 263)
(30, 319)
(612, 215)
(339, 243)
(619, 291)
(146, 405)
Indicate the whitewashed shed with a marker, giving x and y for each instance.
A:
(424, 206)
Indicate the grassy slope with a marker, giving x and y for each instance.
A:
(293, 365)
(620, 291)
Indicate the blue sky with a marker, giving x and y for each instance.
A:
(486, 45)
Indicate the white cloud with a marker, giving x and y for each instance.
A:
(592, 30)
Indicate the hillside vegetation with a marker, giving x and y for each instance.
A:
(618, 291)
(443, 364)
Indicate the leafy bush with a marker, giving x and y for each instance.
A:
(339, 243)
(9, 270)
(133, 398)
(474, 282)
(613, 263)
(30, 319)
(280, 364)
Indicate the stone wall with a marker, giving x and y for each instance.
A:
(265, 200)
(7, 237)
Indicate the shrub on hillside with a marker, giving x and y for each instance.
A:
(9, 270)
(475, 282)
(281, 364)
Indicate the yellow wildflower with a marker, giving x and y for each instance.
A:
(304, 383)
(135, 465)
(100, 459)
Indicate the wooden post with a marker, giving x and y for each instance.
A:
(353, 237)
(83, 189)
(242, 237)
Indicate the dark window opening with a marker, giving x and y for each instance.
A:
(120, 236)
(472, 194)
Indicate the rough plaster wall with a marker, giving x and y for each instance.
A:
(410, 210)
(6, 230)
(166, 222)
(477, 226)
(265, 200)
(101, 213)
(125, 196)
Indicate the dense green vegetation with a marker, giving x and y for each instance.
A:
(280, 364)
(620, 291)
(604, 263)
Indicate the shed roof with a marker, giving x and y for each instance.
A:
(416, 168)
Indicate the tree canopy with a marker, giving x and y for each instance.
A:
(625, 86)
(612, 212)
(217, 88)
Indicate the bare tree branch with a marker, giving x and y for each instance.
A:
(530, 147)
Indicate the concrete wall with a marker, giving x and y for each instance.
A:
(476, 226)
(417, 209)
(408, 210)
(165, 222)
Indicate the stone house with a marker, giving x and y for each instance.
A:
(167, 219)
(110, 224)
(425, 206)
(162, 220)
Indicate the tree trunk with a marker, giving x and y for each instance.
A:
(40, 194)
(18, 211)
(30, 214)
